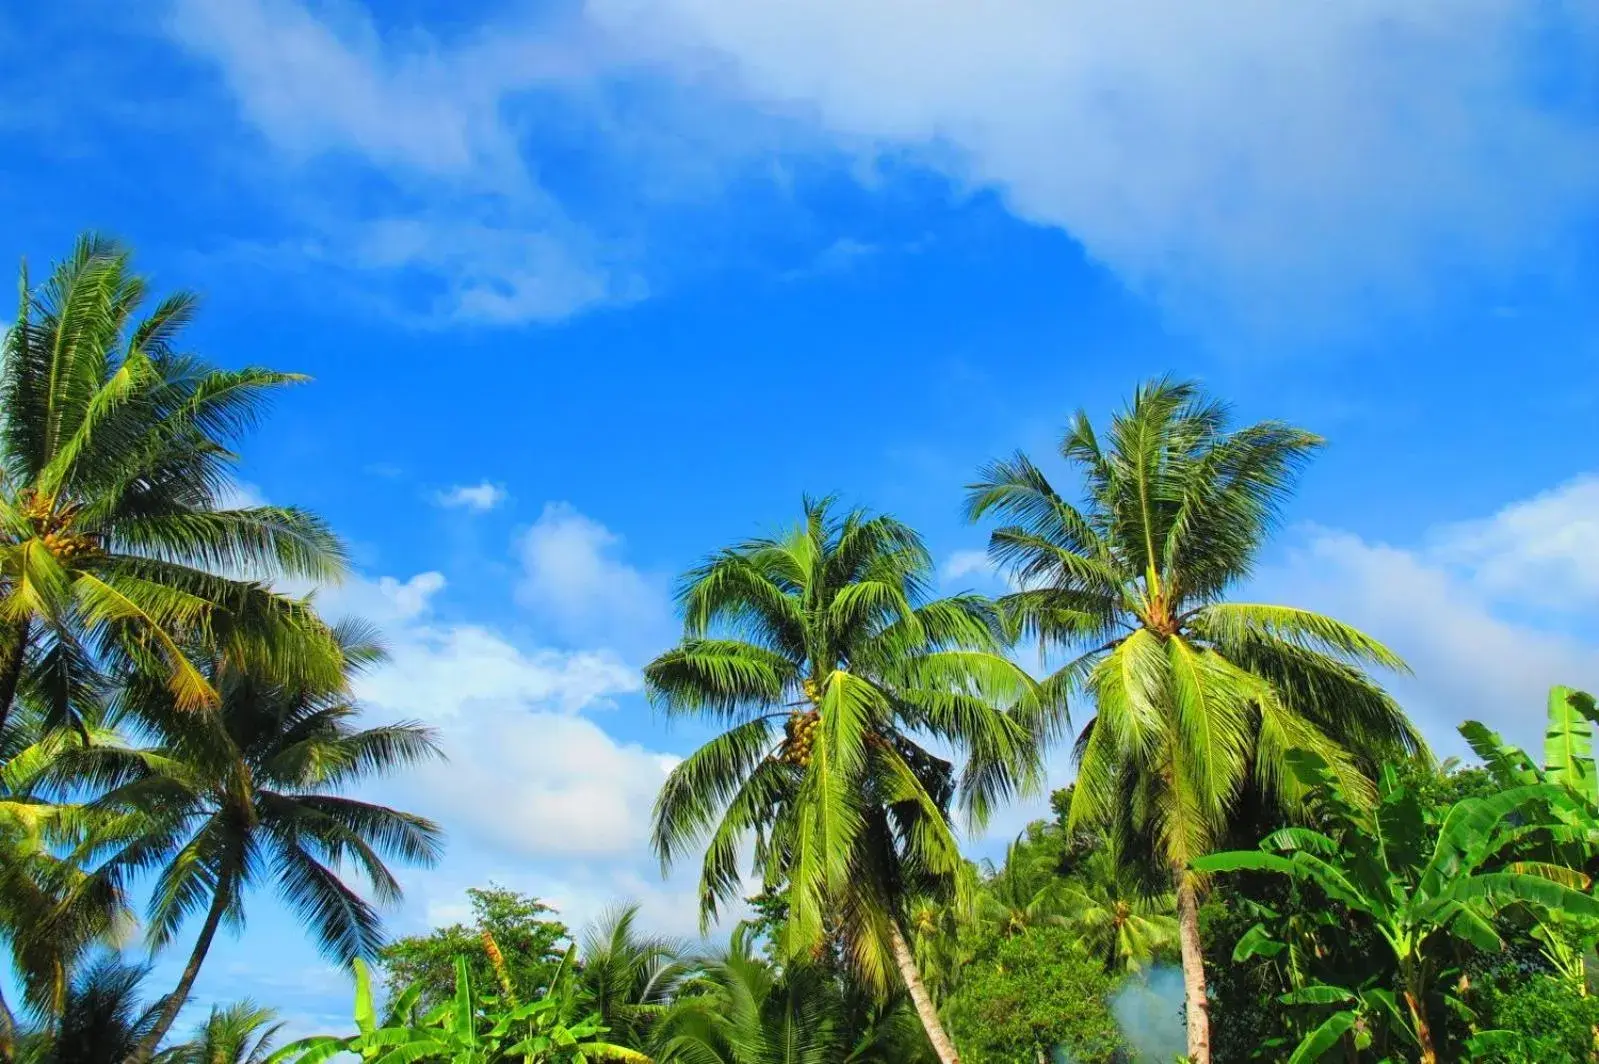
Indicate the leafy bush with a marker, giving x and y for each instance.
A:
(1030, 993)
(1551, 1021)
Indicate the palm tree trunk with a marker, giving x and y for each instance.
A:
(8, 1033)
(925, 1010)
(173, 1003)
(1198, 999)
(12, 654)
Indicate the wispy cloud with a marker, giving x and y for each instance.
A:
(1269, 161)
(964, 564)
(481, 497)
(574, 579)
(1257, 158)
(1468, 608)
(457, 207)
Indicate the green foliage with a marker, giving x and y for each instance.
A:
(59, 898)
(1428, 889)
(168, 719)
(250, 791)
(628, 976)
(126, 575)
(240, 1033)
(531, 940)
(1198, 700)
(1030, 992)
(472, 1028)
(118, 546)
(736, 1007)
(1544, 1018)
(846, 805)
(1117, 916)
(102, 1019)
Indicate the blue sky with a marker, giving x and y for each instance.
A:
(589, 289)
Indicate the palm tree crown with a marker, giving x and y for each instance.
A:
(59, 896)
(824, 653)
(251, 790)
(117, 545)
(103, 1017)
(743, 1009)
(833, 668)
(240, 1033)
(627, 977)
(1119, 917)
(1197, 699)
(1023, 892)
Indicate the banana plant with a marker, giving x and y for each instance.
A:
(1568, 749)
(1568, 762)
(365, 1042)
(1423, 890)
(469, 1030)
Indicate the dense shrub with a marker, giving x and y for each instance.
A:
(1030, 993)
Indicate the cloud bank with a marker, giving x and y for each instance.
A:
(1233, 161)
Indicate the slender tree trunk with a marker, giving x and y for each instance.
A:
(923, 1001)
(1195, 992)
(8, 1033)
(173, 1003)
(13, 651)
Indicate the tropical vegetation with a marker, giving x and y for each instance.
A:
(1252, 814)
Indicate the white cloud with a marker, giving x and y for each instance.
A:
(533, 787)
(571, 577)
(1260, 153)
(241, 495)
(1468, 609)
(1469, 660)
(459, 205)
(579, 893)
(448, 672)
(383, 602)
(536, 784)
(481, 497)
(333, 84)
(1544, 550)
(532, 266)
(966, 563)
(1257, 157)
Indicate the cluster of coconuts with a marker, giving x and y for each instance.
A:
(69, 545)
(59, 539)
(801, 736)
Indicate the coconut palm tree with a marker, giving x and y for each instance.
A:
(1197, 698)
(740, 1008)
(741, 1011)
(1024, 892)
(251, 791)
(102, 1020)
(59, 897)
(626, 977)
(1119, 918)
(936, 927)
(240, 1033)
(118, 545)
(831, 667)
